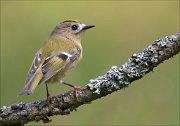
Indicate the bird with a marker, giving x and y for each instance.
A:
(59, 54)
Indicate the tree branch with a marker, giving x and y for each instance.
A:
(115, 79)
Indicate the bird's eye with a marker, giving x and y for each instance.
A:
(74, 27)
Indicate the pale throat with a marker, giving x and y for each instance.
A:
(76, 39)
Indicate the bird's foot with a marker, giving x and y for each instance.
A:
(76, 89)
(49, 102)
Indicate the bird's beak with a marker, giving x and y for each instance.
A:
(88, 27)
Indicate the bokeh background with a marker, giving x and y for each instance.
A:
(122, 28)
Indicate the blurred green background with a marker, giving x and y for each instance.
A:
(122, 28)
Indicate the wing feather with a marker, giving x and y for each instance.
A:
(53, 66)
(36, 62)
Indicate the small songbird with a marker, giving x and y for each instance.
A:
(59, 54)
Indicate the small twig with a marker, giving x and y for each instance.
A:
(115, 79)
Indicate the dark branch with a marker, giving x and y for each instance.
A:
(115, 79)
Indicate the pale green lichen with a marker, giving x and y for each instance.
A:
(113, 80)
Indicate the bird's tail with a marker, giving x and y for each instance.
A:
(32, 83)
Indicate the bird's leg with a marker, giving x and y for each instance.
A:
(71, 85)
(76, 88)
(48, 97)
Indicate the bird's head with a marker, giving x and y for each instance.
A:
(71, 28)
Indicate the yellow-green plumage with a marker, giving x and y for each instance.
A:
(58, 55)
(58, 63)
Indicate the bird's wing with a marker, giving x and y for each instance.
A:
(43, 69)
(53, 64)
(35, 64)
(34, 76)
